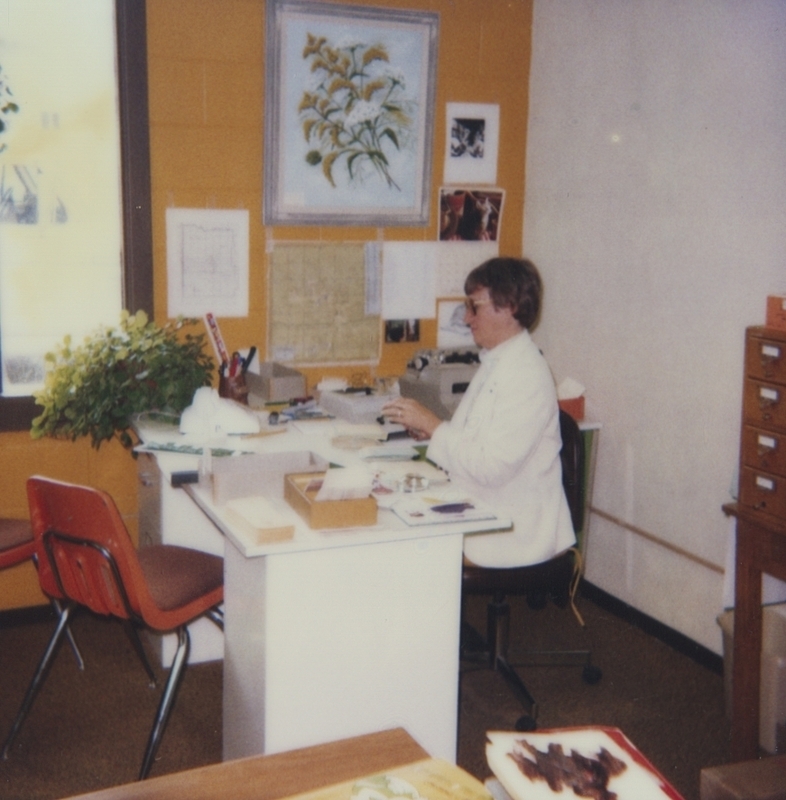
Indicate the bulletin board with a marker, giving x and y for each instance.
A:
(317, 305)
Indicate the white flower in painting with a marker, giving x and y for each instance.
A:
(348, 42)
(395, 75)
(362, 111)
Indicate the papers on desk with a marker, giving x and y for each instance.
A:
(435, 508)
(429, 779)
(260, 519)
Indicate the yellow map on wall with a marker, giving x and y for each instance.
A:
(316, 307)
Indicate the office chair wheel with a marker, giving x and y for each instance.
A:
(525, 724)
(591, 674)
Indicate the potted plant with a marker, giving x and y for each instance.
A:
(97, 387)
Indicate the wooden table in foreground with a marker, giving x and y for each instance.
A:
(276, 776)
(761, 547)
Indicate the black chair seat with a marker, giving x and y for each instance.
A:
(551, 579)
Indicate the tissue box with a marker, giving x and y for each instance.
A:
(574, 406)
(259, 473)
(776, 311)
(300, 491)
(275, 383)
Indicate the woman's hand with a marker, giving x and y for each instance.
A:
(418, 420)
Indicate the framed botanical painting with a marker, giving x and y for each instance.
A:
(349, 93)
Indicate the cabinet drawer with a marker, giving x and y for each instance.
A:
(764, 404)
(763, 491)
(764, 450)
(765, 358)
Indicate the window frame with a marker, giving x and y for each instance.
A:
(17, 413)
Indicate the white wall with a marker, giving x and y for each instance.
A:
(656, 211)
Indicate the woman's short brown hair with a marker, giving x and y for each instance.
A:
(512, 283)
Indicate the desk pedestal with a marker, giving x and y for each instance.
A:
(335, 643)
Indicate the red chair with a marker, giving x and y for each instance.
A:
(16, 546)
(86, 558)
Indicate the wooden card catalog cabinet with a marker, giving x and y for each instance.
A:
(763, 441)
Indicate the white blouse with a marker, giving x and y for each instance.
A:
(502, 445)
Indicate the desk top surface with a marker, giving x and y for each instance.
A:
(276, 776)
(320, 438)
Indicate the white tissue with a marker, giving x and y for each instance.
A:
(349, 483)
(210, 414)
(569, 388)
(332, 385)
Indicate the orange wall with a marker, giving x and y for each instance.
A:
(206, 84)
(206, 119)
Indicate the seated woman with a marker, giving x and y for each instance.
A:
(503, 443)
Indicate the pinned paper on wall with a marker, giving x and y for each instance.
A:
(409, 272)
(207, 262)
(456, 260)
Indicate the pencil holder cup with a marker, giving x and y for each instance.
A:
(233, 387)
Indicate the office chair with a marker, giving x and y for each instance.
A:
(555, 580)
(17, 546)
(86, 559)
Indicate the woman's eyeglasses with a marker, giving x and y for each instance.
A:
(473, 305)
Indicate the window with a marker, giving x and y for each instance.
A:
(135, 232)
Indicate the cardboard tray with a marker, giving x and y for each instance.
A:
(260, 473)
(300, 491)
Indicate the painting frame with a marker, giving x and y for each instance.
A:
(349, 98)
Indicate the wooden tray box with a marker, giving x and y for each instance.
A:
(300, 491)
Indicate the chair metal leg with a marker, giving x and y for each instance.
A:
(40, 674)
(80, 662)
(133, 635)
(167, 700)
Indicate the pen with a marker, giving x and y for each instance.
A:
(248, 359)
(234, 364)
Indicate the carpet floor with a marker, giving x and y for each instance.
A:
(88, 730)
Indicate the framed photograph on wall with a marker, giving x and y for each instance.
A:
(348, 120)
(472, 143)
(470, 214)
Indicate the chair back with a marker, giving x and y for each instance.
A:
(572, 457)
(85, 554)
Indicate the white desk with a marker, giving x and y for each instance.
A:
(337, 634)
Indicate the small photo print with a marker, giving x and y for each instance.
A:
(472, 146)
(402, 330)
(470, 215)
(467, 138)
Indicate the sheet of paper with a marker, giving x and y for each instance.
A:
(409, 280)
(455, 260)
(207, 262)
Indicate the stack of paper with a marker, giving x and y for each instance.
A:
(260, 519)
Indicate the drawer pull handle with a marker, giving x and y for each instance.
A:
(767, 397)
(765, 484)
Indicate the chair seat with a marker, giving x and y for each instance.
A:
(536, 579)
(176, 576)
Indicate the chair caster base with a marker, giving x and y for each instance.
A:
(525, 724)
(591, 674)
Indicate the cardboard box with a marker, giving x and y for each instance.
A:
(776, 311)
(300, 491)
(759, 779)
(574, 406)
(275, 383)
(259, 473)
(772, 682)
